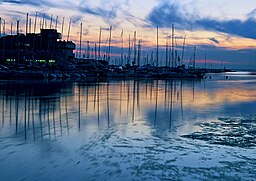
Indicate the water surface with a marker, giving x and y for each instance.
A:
(129, 129)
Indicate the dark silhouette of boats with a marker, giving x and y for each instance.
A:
(46, 55)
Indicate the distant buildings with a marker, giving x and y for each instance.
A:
(45, 47)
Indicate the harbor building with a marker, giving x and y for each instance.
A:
(45, 48)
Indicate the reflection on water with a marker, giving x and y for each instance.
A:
(128, 130)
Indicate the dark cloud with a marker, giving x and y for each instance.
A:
(214, 40)
(44, 15)
(109, 15)
(76, 19)
(166, 14)
(42, 3)
(252, 14)
(98, 11)
(236, 27)
(28, 2)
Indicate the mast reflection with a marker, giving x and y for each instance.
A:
(46, 110)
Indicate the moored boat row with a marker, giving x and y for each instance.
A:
(113, 72)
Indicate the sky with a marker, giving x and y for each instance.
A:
(223, 31)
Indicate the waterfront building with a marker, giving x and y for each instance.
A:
(45, 48)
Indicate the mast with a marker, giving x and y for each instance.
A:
(3, 39)
(27, 24)
(18, 24)
(30, 24)
(194, 59)
(99, 45)
(95, 51)
(175, 52)
(4, 27)
(152, 57)
(11, 29)
(129, 51)
(139, 51)
(109, 43)
(205, 60)
(166, 55)
(40, 24)
(134, 42)
(0, 26)
(157, 48)
(69, 28)
(34, 39)
(122, 49)
(18, 42)
(80, 42)
(43, 21)
(62, 27)
(51, 22)
(172, 45)
(183, 48)
(11, 35)
(56, 23)
(88, 49)
(45, 25)
(35, 23)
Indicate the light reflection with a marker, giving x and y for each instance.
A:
(47, 110)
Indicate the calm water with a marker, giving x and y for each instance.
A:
(129, 130)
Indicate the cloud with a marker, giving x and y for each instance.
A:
(42, 3)
(108, 14)
(252, 14)
(28, 2)
(166, 14)
(76, 19)
(236, 27)
(214, 40)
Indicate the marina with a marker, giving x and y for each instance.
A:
(127, 90)
(47, 55)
